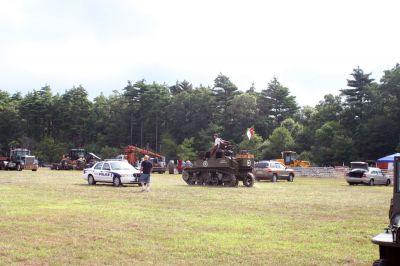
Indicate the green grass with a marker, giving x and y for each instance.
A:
(54, 217)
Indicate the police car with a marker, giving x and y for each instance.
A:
(117, 172)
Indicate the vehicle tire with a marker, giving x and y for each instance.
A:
(351, 184)
(91, 180)
(248, 180)
(19, 168)
(234, 183)
(371, 182)
(381, 262)
(291, 177)
(230, 180)
(116, 181)
(274, 178)
(388, 182)
(191, 181)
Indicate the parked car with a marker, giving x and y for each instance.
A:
(116, 172)
(272, 170)
(361, 173)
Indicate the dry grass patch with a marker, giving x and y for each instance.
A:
(54, 217)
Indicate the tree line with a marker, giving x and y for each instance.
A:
(360, 123)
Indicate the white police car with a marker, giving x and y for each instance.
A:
(116, 172)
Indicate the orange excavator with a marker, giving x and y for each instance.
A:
(134, 153)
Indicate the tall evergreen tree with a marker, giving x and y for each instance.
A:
(276, 102)
(357, 94)
(224, 91)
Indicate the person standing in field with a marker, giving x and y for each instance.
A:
(145, 167)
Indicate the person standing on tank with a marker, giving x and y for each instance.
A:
(217, 143)
(217, 140)
(146, 167)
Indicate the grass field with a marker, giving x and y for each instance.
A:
(54, 217)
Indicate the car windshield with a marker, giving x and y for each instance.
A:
(21, 153)
(121, 166)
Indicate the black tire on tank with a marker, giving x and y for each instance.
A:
(91, 180)
(191, 181)
(234, 182)
(116, 181)
(248, 180)
(203, 178)
(185, 176)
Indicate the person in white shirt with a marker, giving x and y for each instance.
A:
(217, 140)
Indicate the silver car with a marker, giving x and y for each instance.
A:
(360, 173)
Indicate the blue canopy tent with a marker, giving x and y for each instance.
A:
(388, 158)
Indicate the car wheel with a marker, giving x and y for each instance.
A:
(371, 182)
(388, 182)
(291, 177)
(116, 181)
(19, 168)
(274, 178)
(351, 184)
(91, 180)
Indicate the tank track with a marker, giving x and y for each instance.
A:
(215, 177)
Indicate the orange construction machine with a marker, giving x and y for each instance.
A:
(134, 153)
(289, 159)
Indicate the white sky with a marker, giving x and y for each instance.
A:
(311, 46)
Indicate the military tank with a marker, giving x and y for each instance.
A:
(220, 167)
(389, 240)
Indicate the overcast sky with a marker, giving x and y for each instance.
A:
(311, 46)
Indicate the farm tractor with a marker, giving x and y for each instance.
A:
(289, 159)
(77, 159)
(389, 240)
(134, 153)
(19, 159)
